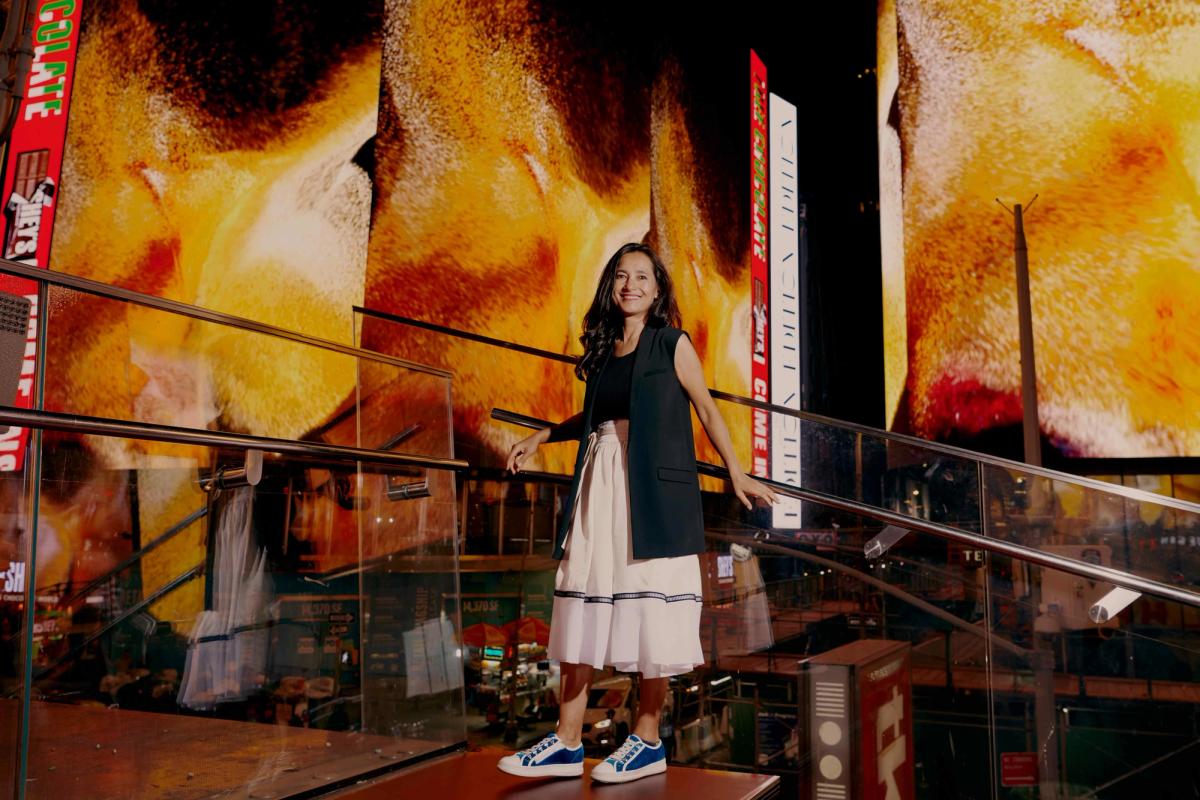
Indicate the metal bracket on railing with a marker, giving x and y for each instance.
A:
(883, 541)
(1112, 604)
(249, 474)
(411, 490)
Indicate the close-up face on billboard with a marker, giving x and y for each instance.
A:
(1094, 108)
(210, 157)
(519, 146)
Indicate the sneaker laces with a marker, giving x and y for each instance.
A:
(545, 743)
(623, 753)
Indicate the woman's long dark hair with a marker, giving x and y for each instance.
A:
(604, 323)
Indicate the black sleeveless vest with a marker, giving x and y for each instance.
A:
(664, 492)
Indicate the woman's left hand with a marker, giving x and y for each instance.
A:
(746, 487)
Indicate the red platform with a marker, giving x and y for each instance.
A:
(105, 754)
(473, 774)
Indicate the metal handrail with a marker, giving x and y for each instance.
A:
(1127, 492)
(461, 334)
(100, 289)
(137, 608)
(900, 438)
(1003, 547)
(73, 423)
(167, 535)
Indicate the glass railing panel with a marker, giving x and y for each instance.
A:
(184, 366)
(838, 672)
(110, 358)
(398, 409)
(1149, 535)
(850, 463)
(200, 639)
(18, 640)
(507, 591)
(1098, 709)
(1004, 657)
(939, 645)
(488, 376)
(411, 651)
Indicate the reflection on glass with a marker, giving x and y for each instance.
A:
(1111, 702)
(985, 666)
(482, 441)
(318, 600)
(15, 563)
(205, 375)
(1147, 534)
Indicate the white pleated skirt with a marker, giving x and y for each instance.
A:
(610, 609)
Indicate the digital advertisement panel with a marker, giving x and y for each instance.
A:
(517, 150)
(1090, 107)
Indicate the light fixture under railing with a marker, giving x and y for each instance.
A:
(883, 541)
(1112, 604)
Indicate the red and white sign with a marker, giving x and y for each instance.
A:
(1018, 769)
(760, 372)
(860, 722)
(885, 705)
(31, 181)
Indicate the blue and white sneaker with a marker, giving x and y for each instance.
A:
(548, 758)
(632, 760)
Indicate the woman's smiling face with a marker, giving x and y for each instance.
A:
(634, 285)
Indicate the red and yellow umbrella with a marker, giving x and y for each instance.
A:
(529, 629)
(482, 634)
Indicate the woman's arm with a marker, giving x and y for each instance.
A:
(691, 375)
(569, 428)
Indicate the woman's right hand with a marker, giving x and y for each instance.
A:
(525, 448)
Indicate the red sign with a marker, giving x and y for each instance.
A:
(860, 722)
(1018, 769)
(885, 706)
(760, 374)
(31, 181)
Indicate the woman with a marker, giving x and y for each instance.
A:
(628, 587)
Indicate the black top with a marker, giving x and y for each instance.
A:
(612, 393)
(666, 516)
